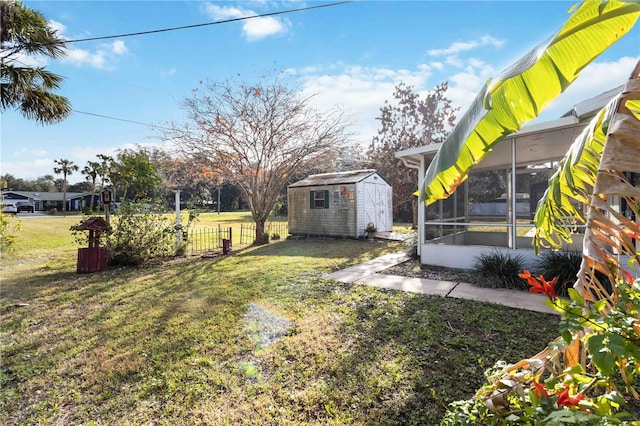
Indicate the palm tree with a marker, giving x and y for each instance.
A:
(66, 168)
(92, 171)
(24, 32)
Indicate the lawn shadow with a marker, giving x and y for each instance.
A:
(411, 355)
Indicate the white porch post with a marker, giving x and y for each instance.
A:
(421, 231)
(513, 200)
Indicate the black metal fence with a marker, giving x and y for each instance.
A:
(275, 230)
(208, 240)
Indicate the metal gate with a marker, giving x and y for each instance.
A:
(208, 240)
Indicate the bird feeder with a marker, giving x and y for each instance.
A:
(93, 258)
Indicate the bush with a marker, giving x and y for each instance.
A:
(562, 264)
(275, 236)
(411, 245)
(280, 209)
(9, 226)
(140, 232)
(497, 269)
(565, 265)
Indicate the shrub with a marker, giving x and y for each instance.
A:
(562, 264)
(275, 236)
(497, 269)
(565, 265)
(411, 245)
(280, 209)
(140, 232)
(8, 227)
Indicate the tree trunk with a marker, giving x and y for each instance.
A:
(261, 238)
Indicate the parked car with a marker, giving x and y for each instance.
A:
(9, 208)
(25, 206)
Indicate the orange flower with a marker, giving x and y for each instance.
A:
(567, 401)
(539, 389)
(540, 285)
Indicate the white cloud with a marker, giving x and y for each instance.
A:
(118, 47)
(56, 26)
(101, 58)
(359, 91)
(259, 28)
(224, 12)
(462, 46)
(168, 73)
(455, 61)
(253, 29)
(29, 153)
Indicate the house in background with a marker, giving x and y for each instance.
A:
(493, 209)
(44, 201)
(340, 204)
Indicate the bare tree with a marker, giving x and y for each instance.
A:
(258, 136)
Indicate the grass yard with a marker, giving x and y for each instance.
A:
(254, 338)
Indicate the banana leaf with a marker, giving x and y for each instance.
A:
(518, 95)
(571, 187)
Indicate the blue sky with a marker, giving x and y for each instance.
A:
(350, 55)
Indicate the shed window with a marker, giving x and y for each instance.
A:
(319, 199)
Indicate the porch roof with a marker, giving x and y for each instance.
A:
(535, 143)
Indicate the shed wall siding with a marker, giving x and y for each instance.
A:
(337, 220)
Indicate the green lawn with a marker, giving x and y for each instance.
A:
(255, 338)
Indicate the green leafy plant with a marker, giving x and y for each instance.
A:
(496, 269)
(140, 231)
(9, 226)
(536, 391)
(564, 265)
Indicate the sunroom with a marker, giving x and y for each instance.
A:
(494, 208)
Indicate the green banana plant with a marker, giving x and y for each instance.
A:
(518, 95)
(570, 188)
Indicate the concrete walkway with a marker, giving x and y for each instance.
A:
(368, 274)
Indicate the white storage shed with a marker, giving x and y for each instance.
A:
(340, 204)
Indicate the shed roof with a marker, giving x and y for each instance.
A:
(338, 178)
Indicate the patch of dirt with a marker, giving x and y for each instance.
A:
(413, 268)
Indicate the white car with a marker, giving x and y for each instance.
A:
(9, 208)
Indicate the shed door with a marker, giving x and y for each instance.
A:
(375, 202)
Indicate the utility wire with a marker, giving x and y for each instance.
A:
(121, 119)
(282, 12)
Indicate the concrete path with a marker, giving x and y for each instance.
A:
(368, 274)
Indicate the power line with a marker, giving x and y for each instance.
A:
(108, 117)
(282, 12)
